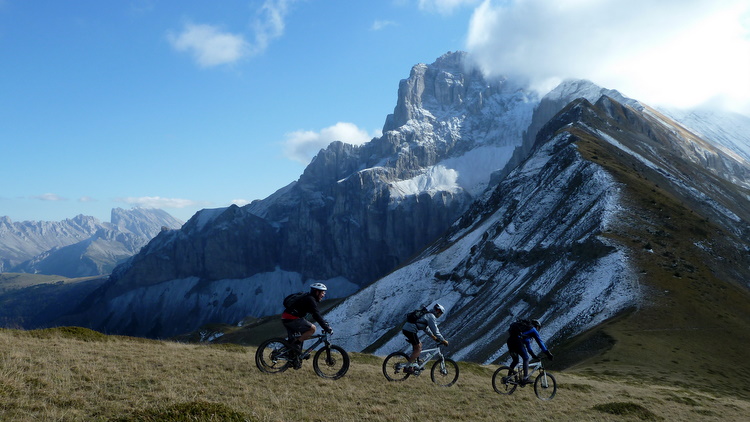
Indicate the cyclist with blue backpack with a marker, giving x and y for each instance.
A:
(519, 343)
(424, 320)
(296, 308)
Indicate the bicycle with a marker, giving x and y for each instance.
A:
(276, 355)
(545, 385)
(444, 371)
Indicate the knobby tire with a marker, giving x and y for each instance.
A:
(390, 363)
(498, 384)
(272, 356)
(331, 362)
(545, 392)
(447, 378)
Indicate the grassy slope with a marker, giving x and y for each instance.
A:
(14, 281)
(81, 375)
(692, 329)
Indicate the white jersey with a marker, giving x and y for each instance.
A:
(428, 323)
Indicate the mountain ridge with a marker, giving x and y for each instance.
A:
(543, 218)
(81, 246)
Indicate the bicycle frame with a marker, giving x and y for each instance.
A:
(321, 338)
(533, 367)
(428, 355)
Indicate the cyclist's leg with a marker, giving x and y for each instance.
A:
(297, 329)
(513, 363)
(515, 347)
(416, 345)
(306, 334)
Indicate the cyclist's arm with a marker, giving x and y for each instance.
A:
(312, 308)
(433, 328)
(533, 333)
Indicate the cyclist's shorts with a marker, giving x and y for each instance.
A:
(411, 337)
(295, 327)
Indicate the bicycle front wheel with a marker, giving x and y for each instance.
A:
(545, 386)
(444, 373)
(501, 386)
(331, 362)
(394, 365)
(273, 356)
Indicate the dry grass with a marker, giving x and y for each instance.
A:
(79, 375)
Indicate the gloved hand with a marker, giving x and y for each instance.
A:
(445, 342)
(328, 330)
(549, 355)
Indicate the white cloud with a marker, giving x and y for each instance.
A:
(159, 202)
(670, 52)
(269, 23)
(209, 46)
(240, 202)
(86, 199)
(444, 7)
(381, 24)
(303, 145)
(49, 197)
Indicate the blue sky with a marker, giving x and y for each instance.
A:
(184, 105)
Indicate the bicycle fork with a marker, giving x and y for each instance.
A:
(543, 374)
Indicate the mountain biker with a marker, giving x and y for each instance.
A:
(293, 317)
(521, 332)
(428, 324)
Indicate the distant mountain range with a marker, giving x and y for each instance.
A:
(79, 247)
(595, 213)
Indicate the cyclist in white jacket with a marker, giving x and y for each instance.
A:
(428, 324)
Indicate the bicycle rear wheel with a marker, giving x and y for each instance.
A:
(331, 362)
(503, 387)
(545, 386)
(394, 365)
(444, 373)
(273, 356)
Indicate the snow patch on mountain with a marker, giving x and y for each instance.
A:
(554, 203)
(728, 130)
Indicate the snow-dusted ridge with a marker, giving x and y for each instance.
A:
(480, 285)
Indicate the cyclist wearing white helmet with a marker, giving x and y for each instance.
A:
(426, 322)
(294, 315)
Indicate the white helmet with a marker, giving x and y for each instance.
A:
(438, 307)
(319, 286)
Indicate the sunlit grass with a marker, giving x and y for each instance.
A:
(73, 374)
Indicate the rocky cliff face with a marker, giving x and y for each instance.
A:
(357, 211)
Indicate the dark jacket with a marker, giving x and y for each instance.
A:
(308, 305)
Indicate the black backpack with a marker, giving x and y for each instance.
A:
(519, 326)
(414, 315)
(292, 299)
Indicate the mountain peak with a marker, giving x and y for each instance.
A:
(431, 90)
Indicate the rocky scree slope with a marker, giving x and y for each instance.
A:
(569, 237)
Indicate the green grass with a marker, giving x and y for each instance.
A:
(63, 375)
(627, 409)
